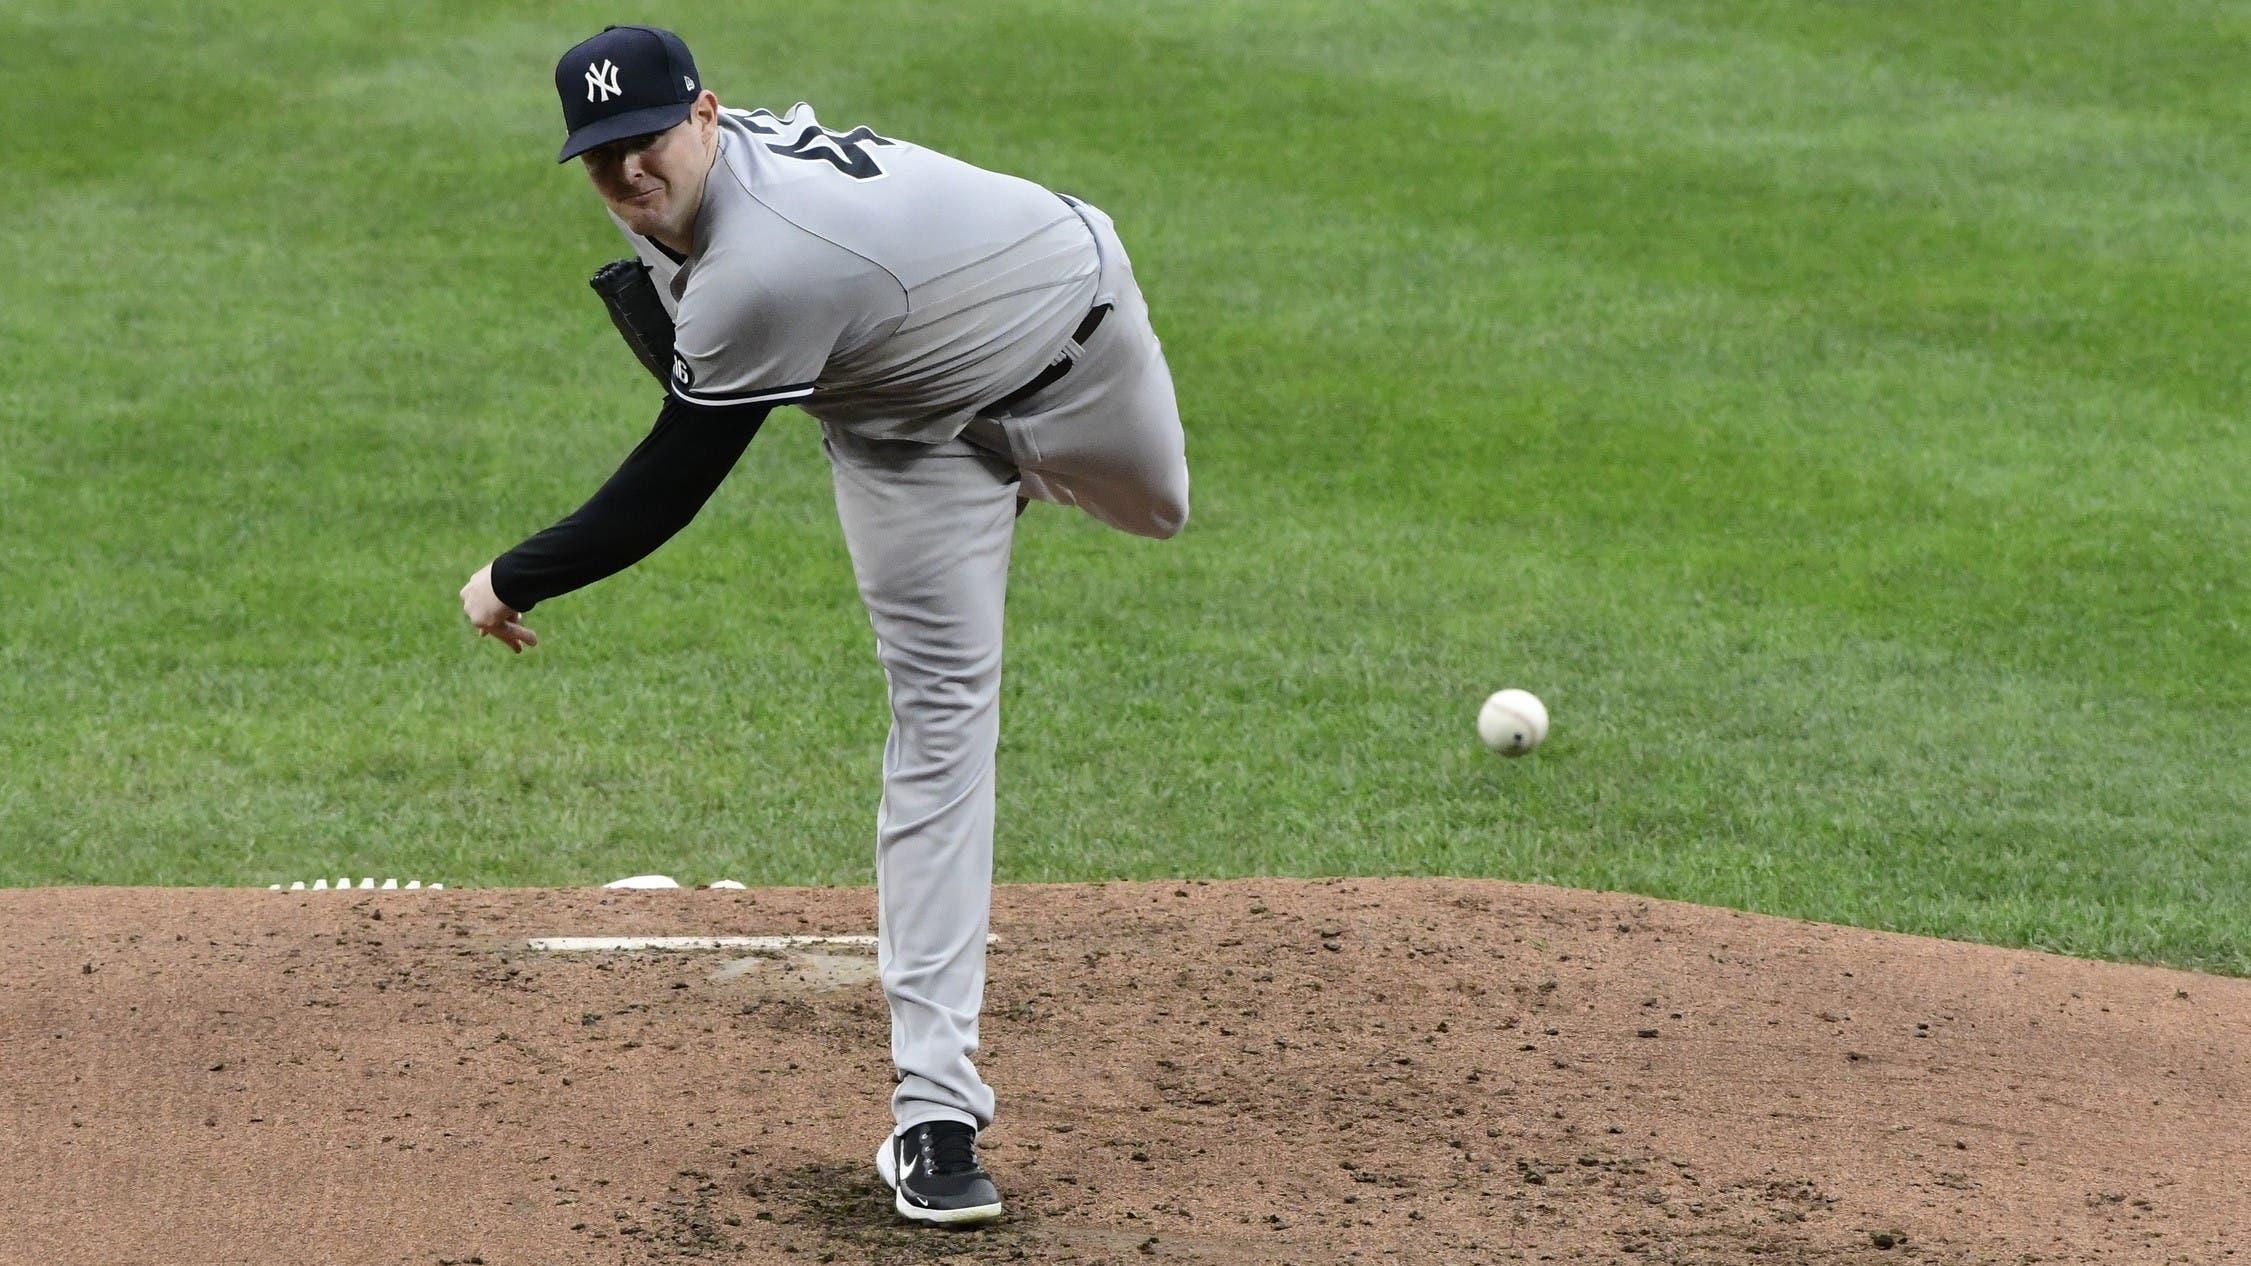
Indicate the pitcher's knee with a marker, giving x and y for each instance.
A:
(1166, 514)
(1162, 512)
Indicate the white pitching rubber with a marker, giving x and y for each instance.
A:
(615, 944)
(367, 884)
(644, 882)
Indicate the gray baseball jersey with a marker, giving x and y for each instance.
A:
(884, 288)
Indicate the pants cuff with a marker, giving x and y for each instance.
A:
(928, 1115)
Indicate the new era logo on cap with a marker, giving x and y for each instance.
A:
(626, 81)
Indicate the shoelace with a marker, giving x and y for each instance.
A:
(949, 1151)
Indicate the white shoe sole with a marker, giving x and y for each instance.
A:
(886, 1169)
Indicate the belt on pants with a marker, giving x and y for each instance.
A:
(1060, 366)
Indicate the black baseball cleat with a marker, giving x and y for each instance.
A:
(933, 1170)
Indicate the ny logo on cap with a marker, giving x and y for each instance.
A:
(602, 79)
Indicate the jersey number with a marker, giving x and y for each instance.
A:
(849, 152)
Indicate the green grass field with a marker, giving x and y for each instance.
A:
(1834, 411)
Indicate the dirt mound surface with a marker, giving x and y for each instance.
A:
(1255, 1071)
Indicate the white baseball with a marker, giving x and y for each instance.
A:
(1513, 722)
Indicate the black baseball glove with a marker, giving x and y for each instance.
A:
(637, 312)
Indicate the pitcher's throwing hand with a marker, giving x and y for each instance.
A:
(493, 617)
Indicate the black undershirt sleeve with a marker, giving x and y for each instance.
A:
(661, 486)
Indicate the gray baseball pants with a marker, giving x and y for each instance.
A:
(929, 528)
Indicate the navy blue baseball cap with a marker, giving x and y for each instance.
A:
(627, 81)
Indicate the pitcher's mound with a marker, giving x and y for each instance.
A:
(1256, 1071)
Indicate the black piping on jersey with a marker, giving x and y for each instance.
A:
(729, 399)
(676, 257)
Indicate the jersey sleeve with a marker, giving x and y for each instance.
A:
(742, 339)
(659, 488)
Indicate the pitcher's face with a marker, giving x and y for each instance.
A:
(654, 182)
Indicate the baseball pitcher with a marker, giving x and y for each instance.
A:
(969, 342)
